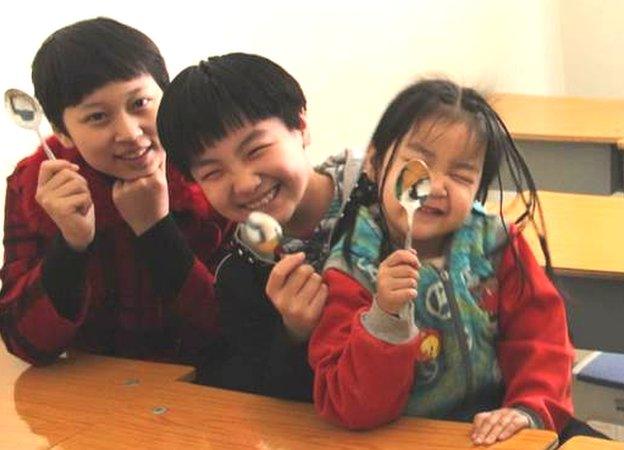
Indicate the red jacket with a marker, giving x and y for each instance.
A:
(362, 381)
(118, 310)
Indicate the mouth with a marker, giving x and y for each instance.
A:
(263, 200)
(135, 154)
(431, 210)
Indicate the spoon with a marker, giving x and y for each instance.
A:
(26, 113)
(412, 188)
(262, 234)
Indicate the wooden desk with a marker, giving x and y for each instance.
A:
(587, 443)
(87, 402)
(561, 119)
(586, 240)
(585, 234)
(570, 144)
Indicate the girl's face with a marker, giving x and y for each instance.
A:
(114, 128)
(455, 160)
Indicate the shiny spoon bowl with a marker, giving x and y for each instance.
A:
(412, 187)
(26, 113)
(262, 234)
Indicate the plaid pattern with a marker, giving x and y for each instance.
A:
(120, 313)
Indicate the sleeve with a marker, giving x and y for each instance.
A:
(33, 326)
(179, 273)
(360, 381)
(534, 350)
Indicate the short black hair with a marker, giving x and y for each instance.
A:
(207, 101)
(76, 60)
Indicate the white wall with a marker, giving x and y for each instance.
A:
(349, 59)
(592, 45)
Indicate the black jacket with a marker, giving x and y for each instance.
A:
(257, 355)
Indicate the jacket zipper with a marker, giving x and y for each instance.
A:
(459, 331)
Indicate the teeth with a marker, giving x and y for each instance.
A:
(134, 155)
(263, 201)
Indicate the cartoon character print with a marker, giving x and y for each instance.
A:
(436, 301)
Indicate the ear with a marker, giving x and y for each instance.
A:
(303, 127)
(63, 138)
(367, 166)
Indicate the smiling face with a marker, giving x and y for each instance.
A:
(455, 161)
(114, 128)
(257, 167)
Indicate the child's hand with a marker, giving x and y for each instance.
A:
(298, 293)
(397, 280)
(64, 195)
(498, 425)
(144, 201)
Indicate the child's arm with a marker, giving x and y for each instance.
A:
(42, 301)
(176, 272)
(360, 381)
(534, 351)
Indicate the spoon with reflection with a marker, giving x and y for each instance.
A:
(262, 234)
(26, 113)
(411, 190)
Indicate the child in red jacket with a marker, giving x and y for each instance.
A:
(464, 325)
(97, 242)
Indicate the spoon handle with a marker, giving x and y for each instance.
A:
(47, 150)
(408, 235)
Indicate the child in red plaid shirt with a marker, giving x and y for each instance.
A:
(97, 242)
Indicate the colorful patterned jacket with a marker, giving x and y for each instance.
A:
(480, 335)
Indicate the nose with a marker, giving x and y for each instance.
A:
(245, 182)
(127, 128)
(438, 185)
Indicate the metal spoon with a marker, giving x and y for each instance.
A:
(412, 188)
(262, 234)
(26, 113)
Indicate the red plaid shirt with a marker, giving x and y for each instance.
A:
(119, 312)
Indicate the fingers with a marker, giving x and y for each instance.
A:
(81, 202)
(309, 287)
(497, 425)
(317, 303)
(58, 181)
(303, 276)
(71, 185)
(50, 168)
(402, 271)
(400, 257)
(397, 280)
(282, 270)
(515, 424)
(298, 289)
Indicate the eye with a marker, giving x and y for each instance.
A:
(141, 103)
(257, 151)
(211, 175)
(95, 117)
(464, 179)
